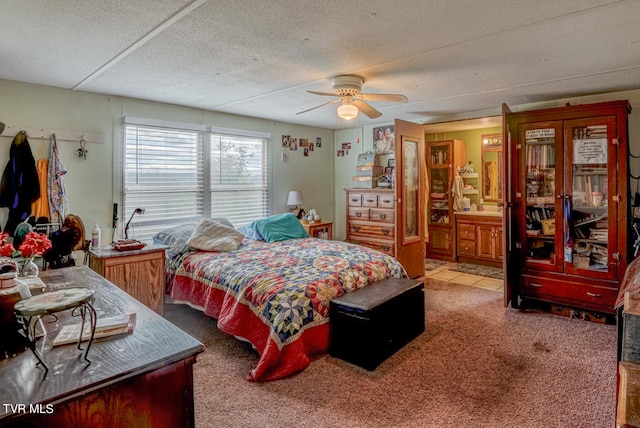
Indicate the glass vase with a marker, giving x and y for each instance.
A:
(30, 269)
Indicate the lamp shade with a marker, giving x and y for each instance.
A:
(347, 111)
(294, 198)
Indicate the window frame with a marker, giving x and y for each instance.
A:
(206, 195)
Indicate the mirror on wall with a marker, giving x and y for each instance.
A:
(492, 167)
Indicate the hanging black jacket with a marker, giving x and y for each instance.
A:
(19, 187)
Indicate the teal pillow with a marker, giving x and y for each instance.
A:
(279, 227)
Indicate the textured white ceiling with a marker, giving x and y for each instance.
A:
(258, 58)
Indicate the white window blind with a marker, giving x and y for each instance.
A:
(239, 178)
(182, 175)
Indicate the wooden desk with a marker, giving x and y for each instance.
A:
(141, 273)
(144, 379)
(314, 228)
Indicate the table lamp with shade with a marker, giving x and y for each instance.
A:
(295, 199)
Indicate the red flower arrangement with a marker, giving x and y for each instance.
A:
(33, 245)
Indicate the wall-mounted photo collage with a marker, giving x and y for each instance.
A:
(293, 143)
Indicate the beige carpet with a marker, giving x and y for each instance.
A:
(477, 365)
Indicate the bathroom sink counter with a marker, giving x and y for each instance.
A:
(475, 213)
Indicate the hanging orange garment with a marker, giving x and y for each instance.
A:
(40, 208)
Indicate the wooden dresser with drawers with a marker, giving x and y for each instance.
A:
(371, 219)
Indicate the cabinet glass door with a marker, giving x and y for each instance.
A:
(541, 186)
(410, 190)
(591, 227)
(439, 200)
(439, 157)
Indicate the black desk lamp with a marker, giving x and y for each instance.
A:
(126, 227)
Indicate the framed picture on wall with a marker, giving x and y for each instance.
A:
(384, 139)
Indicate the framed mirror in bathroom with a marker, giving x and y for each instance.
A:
(492, 167)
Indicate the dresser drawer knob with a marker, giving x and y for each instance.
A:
(358, 214)
(533, 284)
(385, 248)
(356, 228)
(385, 231)
(370, 201)
(383, 216)
(594, 295)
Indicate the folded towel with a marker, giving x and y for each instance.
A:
(456, 191)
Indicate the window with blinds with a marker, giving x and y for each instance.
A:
(182, 175)
(239, 178)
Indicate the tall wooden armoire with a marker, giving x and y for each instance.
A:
(568, 208)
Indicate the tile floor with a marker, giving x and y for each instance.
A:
(444, 274)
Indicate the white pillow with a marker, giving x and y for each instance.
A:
(210, 235)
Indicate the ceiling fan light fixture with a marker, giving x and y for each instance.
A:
(347, 111)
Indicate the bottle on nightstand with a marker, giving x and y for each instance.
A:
(95, 236)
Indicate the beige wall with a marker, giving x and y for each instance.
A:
(93, 184)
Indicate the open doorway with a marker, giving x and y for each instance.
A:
(464, 240)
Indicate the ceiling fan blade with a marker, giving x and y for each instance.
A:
(397, 98)
(366, 109)
(321, 105)
(329, 94)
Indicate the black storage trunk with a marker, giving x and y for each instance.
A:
(370, 324)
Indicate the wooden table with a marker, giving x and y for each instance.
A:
(143, 379)
(141, 273)
(319, 226)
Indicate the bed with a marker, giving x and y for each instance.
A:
(275, 294)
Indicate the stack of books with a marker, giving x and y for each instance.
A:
(110, 326)
(599, 234)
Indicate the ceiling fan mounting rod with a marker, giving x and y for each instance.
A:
(347, 85)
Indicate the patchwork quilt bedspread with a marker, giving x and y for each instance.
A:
(276, 295)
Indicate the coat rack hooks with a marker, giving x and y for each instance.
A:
(61, 135)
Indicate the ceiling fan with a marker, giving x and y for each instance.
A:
(348, 88)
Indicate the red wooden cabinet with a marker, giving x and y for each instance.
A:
(568, 204)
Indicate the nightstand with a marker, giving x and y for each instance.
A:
(315, 229)
(140, 273)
